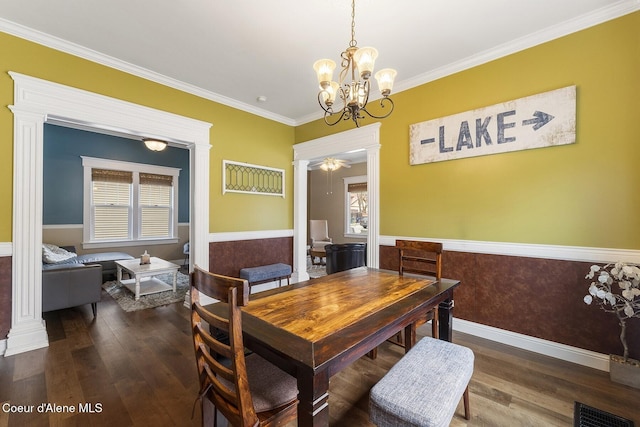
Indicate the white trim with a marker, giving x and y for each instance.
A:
(66, 226)
(61, 226)
(6, 249)
(65, 46)
(118, 243)
(88, 163)
(607, 13)
(233, 236)
(616, 10)
(37, 101)
(366, 137)
(548, 348)
(567, 253)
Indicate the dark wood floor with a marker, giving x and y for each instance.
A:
(137, 369)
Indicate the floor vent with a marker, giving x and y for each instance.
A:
(587, 416)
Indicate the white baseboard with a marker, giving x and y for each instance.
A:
(548, 348)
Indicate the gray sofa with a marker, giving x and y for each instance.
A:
(77, 280)
(106, 259)
(71, 285)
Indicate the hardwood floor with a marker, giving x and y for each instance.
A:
(137, 369)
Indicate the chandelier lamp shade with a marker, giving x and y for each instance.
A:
(155, 144)
(354, 85)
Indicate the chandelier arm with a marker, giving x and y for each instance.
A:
(331, 114)
(382, 105)
(328, 110)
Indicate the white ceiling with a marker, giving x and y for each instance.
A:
(232, 51)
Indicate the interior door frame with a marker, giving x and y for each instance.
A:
(363, 138)
(37, 102)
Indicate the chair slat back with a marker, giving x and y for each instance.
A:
(221, 365)
(420, 258)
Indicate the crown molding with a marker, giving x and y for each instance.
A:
(70, 48)
(574, 25)
(616, 10)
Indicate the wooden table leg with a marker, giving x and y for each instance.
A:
(313, 396)
(409, 337)
(445, 319)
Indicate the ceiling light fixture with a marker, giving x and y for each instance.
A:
(155, 144)
(354, 94)
(330, 164)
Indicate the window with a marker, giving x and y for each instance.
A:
(129, 203)
(356, 205)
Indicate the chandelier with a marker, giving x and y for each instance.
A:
(354, 93)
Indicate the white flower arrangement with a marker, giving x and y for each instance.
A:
(623, 299)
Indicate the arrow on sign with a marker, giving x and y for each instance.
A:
(540, 120)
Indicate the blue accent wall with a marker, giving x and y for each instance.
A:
(63, 172)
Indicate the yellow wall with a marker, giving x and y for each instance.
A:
(583, 194)
(235, 135)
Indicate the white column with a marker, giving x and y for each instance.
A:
(28, 331)
(300, 221)
(199, 233)
(373, 195)
(199, 211)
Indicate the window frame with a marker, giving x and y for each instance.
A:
(360, 179)
(89, 163)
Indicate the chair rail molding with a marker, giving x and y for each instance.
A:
(532, 250)
(37, 102)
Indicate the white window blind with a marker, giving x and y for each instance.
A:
(126, 203)
(155, 205)
(111, 204)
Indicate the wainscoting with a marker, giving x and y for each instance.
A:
(229, 257)
(537, 297)
(534, 302)
(5, 296)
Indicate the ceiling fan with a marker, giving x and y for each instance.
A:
(331, 164)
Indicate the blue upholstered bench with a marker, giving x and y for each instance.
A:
(266, 273)
(424, 387)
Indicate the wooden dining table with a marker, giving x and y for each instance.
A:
(314, 329)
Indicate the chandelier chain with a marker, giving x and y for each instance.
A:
(354, 94)
(353, 42)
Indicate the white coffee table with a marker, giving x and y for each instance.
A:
(142, 280)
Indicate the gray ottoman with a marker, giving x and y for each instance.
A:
(266, 273)
(424, 387)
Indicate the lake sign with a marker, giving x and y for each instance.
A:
(536, 121)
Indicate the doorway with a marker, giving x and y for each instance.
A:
(38, 102)
(367, 138)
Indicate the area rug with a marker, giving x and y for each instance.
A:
(315, 270)
(125, 298)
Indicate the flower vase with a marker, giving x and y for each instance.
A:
(627, 373)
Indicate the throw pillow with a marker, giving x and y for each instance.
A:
(52, 254)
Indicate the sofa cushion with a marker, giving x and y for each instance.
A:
(102, 257)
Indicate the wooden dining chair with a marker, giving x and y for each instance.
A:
(246, 390)
(423, 258)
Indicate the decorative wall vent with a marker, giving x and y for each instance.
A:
(252, 179)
